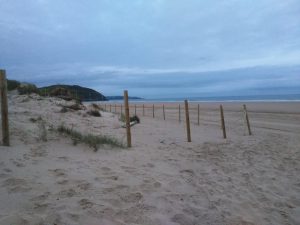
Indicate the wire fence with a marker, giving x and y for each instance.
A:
(198, 115)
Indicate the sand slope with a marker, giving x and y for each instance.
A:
(161, 180)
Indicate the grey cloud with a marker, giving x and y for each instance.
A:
(153, 46)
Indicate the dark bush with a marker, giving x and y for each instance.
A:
(75, 106)
(60, 92)
(12, 84)
(95, 106)
(64, 109)
(94, 112)
(26, 88)
(135, 118)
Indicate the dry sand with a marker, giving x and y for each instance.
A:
(162, 180)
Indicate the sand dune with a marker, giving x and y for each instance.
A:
(162, 180)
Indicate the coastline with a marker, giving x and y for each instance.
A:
(254, 106)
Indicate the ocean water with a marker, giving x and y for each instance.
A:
(252, 98)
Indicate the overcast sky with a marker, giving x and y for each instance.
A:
(154, 48)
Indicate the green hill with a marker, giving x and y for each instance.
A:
(75, 91)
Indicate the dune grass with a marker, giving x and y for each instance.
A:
(91, 140)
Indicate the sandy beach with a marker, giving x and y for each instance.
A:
(162, 179)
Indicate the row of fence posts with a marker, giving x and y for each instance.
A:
(187, 118)
(5, 123)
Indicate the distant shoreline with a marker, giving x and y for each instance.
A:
(202, 101)
(292, 107)
(253, 98)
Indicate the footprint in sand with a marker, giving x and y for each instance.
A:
(85, 203)
(41, 197)
(105, 169)
(73, 216)
(188, 175)
(14, 220)
(5, 175)
(175, 183)
(17, 163)
(149, 165)
(58, 172)
(7, 170)
(182, 219)
(62, 182)
(41, 207)
(15, 185)
(128, 168)
(83, 185)
(100, 179)
(53, 218)
(131, 170)
(38, 151)
(63, 158)
(149, 185)
(116, 189)
(67, 193)
(132, 197)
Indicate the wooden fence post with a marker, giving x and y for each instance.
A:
(222, 121)
(164, 112)
(247, 119)
(179, 114)
(121, 109)
(127, 118)
(109, 107)
(187, 119)
(198, 114)
(143, 110)
(4, 108)
(153, 111)
(115, 108)
(135, 110)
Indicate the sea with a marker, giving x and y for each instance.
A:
(251, 98)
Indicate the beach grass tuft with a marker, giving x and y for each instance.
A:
(94, 141)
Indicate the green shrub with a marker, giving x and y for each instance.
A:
(12, 85)
(95, 106)
(131, 119)
(26, 88)
(94, 112)
(91, 140)
(63, 109)
(135, 118)
(75, 106)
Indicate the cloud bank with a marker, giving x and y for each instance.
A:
(158, 47)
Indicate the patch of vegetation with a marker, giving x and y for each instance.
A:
(122, 118)
(74, 92)
(25, 89)
(91, 140)
(94, 112)
(135, 118)
(64, 109)
(74, 107)
(12, 85)
(60, 93)
(34, 120)
(132, 118)
(95, 106)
